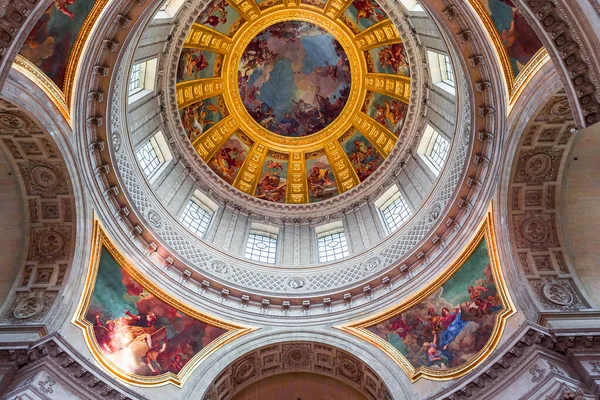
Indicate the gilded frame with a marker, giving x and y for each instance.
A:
(100, 240)
(358, 328)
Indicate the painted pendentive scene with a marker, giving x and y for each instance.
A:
(220, 16)
(51, 40)
(272, 184)
(196, 64)
(201, 116)
(388, 111)
(294, 78)
(321, 182)
(390, 59)
(519, 39)
(136, 331)
(228, 160)
(362, 154)
(451, 326)
(365, 13)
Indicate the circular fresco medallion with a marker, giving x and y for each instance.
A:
(294, 78)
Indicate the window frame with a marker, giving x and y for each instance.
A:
(393, 197)
(270, 235)
(208, 207)
(162, 152)
(335, 231)
(441, 71)
(428, 146)
(147, 78)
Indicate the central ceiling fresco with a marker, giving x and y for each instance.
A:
(296, 102)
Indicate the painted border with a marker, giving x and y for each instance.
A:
(484, 232)
(100, 240)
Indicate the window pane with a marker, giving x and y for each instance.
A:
(396, 213)
(449, 72)
(332, 246)
(261, 247)
(135, 81)
(196, 218)
(149, 157)
(439, 151)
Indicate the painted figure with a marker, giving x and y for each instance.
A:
(467, 305)
(138, 332)
(294, 78)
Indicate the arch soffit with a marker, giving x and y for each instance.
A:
(51, 199)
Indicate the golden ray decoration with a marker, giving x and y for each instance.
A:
(248, 9)
(297, 190)
(210, 141)
(101, 240)
(331, 19)
(247, 178)
(191, 92)
(379, 136)
(205, 38)
(380, 34)
(486, 231)
(335, 8)
(345, 175)
(396, 86)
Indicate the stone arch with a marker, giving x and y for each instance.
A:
(297, 357)
(49, 212)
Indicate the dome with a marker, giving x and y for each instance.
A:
(293, 106)
(245, 199)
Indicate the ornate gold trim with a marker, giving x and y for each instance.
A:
(100, 240)
(77, 49)
(509, 74)
(484, 232)
(36, 75)
(531, 68)
(232, 49)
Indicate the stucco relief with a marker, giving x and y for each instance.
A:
(537, 231)
(538, 165)
(49, 199)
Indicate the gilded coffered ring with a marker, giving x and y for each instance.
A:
(293, 103)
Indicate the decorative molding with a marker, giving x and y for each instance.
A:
(293, 357)
(564, 34)
(70, 369)
(49, 200)
(536, 178)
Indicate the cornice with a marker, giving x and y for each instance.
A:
(566, 33)
(55, 353)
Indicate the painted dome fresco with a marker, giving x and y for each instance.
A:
(293, 105)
